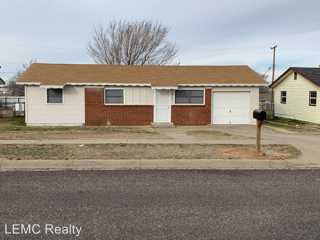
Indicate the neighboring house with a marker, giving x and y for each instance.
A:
(3, 87)
(99, 94)
(296, 94)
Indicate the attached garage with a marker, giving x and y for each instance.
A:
(233, 106)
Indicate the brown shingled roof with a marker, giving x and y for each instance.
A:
(60, 74)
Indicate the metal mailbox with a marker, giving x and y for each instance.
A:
(259, 115)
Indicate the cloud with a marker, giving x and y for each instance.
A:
(207, 32)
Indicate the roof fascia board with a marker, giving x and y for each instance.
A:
(165, 87)
(280, 78)
(226, 85)
(27, 83)
(52, 86)
(109, 84)
(149, 85)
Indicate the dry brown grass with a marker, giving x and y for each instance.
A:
(212, 134)
(16, 129)
(145, 151)
(294, 125)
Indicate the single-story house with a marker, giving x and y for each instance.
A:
(296, 94)
(100, 94)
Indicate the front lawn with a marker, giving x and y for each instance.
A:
(213, 134)
(145, 151)
(293, 125)
(15, 128)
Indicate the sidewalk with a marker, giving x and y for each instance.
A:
(45, 165)
(129, 141)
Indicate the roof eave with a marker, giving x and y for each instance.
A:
(28, 83)
(150, 85)
(225, 85)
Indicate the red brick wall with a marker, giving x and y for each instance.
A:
(193, 115)
(96, 113)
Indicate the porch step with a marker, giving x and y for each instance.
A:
(162, 125)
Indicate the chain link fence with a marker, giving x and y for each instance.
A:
(13, 103)
(268, 108)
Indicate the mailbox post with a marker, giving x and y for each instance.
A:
(260, 116)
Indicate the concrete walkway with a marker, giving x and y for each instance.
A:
(308, 144)
(43, 165)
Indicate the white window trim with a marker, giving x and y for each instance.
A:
(190, 104)
(46, 95)
(285, 97)
(313, 105)
(114, 104)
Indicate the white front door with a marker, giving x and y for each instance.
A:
(231, 108)
(162, 106)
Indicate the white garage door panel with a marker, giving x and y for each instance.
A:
(231, 108)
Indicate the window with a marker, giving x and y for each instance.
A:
(54, 95)
(312, 98)
(283, 99)
(295, 75)
(113, 96)
(189, 97)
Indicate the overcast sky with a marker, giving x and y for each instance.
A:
(207, 32)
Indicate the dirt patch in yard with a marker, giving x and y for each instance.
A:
(145, 151)
(273, 152)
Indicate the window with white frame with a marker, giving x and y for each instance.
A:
(54, 95)
(283, 98)
(189, 96)
(312, 98)
(113, 96)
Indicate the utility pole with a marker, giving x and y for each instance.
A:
(274, 61)
(273, 72)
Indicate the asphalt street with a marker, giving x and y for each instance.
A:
(160, 205)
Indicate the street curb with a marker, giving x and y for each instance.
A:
(165, 164)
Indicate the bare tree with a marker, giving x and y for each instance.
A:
(13, 88)
(132, 43)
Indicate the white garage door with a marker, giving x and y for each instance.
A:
(231, 108)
